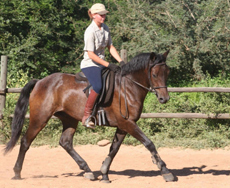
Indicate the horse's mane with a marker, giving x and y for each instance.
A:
(140, 61)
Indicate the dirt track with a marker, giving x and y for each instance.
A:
(132, 167)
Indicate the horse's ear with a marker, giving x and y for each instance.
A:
(166, 53)
(152, 56)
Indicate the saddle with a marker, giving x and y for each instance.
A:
(106, 95)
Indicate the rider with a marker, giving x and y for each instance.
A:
(96, 38)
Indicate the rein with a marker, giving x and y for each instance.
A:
(151, 89)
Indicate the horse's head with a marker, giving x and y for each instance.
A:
(158, 74)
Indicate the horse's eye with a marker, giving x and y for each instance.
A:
(154, 75)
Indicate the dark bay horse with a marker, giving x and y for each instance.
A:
(61, 95)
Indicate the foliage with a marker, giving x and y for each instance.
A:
(46, 36)
(196, 32)
(42, 37)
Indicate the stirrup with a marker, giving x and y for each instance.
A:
(90, 119)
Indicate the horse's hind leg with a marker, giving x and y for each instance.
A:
(135, 131)
(35, 127)
(66, 141)
(117, 140)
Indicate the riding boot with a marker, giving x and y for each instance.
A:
(87, 119)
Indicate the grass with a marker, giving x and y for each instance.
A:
(193, 137)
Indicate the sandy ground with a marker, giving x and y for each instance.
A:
(132, 167)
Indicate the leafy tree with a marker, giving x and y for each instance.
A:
(197, 32)
(46, 36)
(43, 36)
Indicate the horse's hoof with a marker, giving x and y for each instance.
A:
(89, 175)
(169, 177)
(105, 181)
(16, 178)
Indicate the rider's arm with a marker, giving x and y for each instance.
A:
(97, 59)
(114, 53)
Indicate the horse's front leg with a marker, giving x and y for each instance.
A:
(135, 131)
(167, 175)
(117, 140)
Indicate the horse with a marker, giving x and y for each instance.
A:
(61, 95)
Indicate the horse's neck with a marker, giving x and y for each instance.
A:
(140, 77)
(133, 89)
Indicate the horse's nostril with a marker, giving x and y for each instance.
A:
(163, 100)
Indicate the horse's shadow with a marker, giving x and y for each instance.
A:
(199, 170)
(187, 171)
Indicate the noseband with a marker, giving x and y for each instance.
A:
(152, 89)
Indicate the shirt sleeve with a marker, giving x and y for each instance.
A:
(89, 41)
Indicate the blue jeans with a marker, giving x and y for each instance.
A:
(93, 74)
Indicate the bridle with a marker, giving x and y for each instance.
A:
(152, 89)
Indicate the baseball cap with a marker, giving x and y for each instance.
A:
(98, 8)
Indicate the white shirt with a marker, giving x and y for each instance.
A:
(96, 40)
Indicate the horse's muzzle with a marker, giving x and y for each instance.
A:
(162, 98)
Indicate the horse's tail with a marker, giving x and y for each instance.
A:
(19, 115)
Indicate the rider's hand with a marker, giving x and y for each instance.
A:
(113, 67)
(122, 63)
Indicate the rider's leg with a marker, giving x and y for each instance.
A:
(93, 74)
(86, 120)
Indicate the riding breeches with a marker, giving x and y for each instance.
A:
(93, 74)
